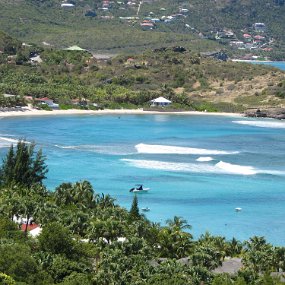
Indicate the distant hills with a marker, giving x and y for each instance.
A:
(118, 26)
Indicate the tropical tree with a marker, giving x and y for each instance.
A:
(173, 241)
(80, 194)
(105, 201)
(258, 255)
(206, 256)
(56, 239)
(178, 224)
(108, 230)
(9, 202)
(9, 230)
(6, 279)
(22, 202)
(134, 211)
(16, 261)
(233, 247)
(31, 200)
(23, 166)
(280, 258)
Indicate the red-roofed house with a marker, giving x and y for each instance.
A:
(33, 229)
(29, 228)
(246, 36)
(258, 37)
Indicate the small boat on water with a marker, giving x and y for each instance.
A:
(139, 188)
(146, 209)
(238, 209)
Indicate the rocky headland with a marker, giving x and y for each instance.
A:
(275, 113)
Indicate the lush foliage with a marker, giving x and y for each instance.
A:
(88, 239)
(188, 80)
(45, 21)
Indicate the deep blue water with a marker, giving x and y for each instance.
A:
(247, 169)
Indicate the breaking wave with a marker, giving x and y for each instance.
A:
(262, 124)
(204, 159)
(6, 142)
(106, 149)
(218, 168)
(166, 149)
(236, 169)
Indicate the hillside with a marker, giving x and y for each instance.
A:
(130, 81)
(45, 22)
(116, 27)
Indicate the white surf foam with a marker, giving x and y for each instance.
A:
(219, 168)
(7, 142)
(106, 149)
(166, 149)
(236, 169)
(204, 159)
(170, 166)
(262, 124)
(66, 147)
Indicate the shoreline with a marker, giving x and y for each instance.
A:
(35, 112)
(257, 61)
(252, 61)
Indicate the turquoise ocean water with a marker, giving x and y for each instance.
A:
(278, 64)
(198, 167)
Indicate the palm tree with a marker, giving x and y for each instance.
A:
(234, 247)
(105, 201)
(83, 194)
(178, 224)
(9, 202)
(31, 200)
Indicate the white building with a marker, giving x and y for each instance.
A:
(67, 5)
(160, 102)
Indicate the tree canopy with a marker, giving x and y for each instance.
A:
(88, 239)
(23, 166)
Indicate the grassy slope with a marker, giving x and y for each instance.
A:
(39, 21)
(33, 23)
(210, 14)
(182, 77)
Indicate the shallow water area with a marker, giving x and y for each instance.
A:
(277, 64)
(198, 167)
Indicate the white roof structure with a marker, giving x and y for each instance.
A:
(77, 48)
(67, 5)
(35, 232)
(161, 100)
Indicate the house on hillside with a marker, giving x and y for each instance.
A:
(160, 102)
(75, 48)
(35, 60)
(259, 27)
(147, 25)
(67, 5)
(33, 229)
(48, 102)
(80, 102)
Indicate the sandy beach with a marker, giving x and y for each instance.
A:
(35, 112)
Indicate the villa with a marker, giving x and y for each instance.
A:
(160, 102)
(48, 102)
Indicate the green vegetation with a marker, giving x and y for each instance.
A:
(190, 81)
(23, 167)
(88, 239)
(46, 22)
